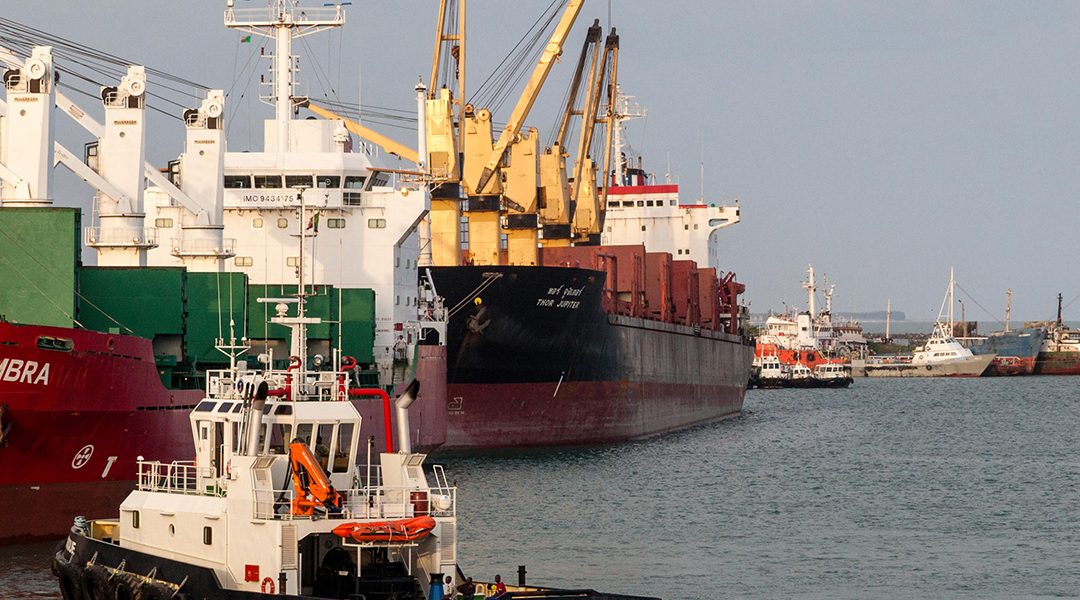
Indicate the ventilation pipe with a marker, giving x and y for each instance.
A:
(402, 406)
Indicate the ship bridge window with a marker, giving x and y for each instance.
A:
(225, 406)
(354, 182)
(205, 406)
(280, 437)
(648, 203)
(323, 442)
(55, 343)
(237, 182)
(268, 181)
(292, 181)
(343, 447)
(283, 409)
(303, 433)
(380, 180)
(328, 181)
(163, 223)
(628, 203)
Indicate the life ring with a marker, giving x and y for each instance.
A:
(267, 585)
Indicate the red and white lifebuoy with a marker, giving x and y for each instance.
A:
(267, 585)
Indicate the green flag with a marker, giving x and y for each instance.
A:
(245, 39)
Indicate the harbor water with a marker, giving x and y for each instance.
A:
(921, 488)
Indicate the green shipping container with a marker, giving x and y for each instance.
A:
(39, 263)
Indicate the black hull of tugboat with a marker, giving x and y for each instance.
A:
(87, 568)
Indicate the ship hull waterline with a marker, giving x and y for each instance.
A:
(535, 360)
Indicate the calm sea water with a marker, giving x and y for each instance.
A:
(891, 489)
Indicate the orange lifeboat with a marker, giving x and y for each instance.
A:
(402, 530)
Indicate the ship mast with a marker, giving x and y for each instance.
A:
(284, 20)
(1008, 308)
(810, 289)
(888, 317)
(952, 298)
(624, 111)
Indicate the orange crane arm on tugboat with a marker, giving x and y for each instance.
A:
(310, 483)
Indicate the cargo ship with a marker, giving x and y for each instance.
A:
(1059, 353)
(582, 308)
(100, 361)
(1015, 351)
(553, 355)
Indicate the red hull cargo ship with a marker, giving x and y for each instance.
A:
(601, 344)
(78, 408)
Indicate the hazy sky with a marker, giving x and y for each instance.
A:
(880, 141)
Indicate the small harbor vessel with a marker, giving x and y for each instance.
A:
(941, 356)
(806, 346)
(833, 375)
(273, 502)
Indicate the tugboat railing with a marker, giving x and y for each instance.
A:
(177, 477)
(382, 502)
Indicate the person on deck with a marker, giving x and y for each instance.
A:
(498, 588)
(467, 588)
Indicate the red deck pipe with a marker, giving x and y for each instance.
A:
(386, 412)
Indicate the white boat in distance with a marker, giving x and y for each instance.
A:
(941, 356)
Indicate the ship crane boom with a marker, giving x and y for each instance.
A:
(532, 89)
(380, 140)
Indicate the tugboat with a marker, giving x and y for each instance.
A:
(274, 502)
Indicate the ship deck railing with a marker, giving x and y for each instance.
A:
(889, 359)
(318, 385)
(176, 477)
(374, 503)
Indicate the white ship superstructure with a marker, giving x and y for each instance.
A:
(364, 214)
(642, 211)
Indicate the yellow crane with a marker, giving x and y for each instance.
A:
(575, 212)
(388, 145)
